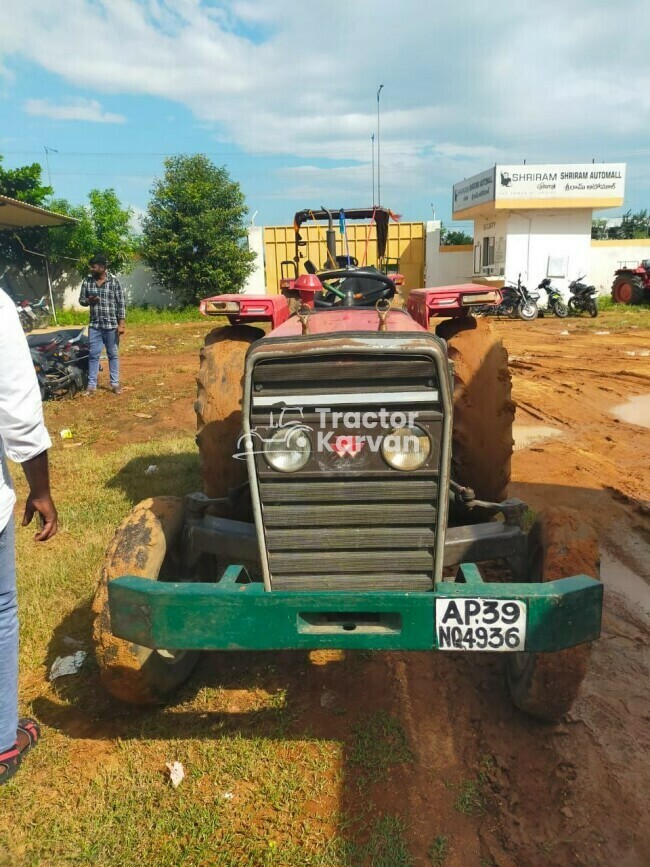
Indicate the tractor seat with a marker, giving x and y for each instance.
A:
(342, 262)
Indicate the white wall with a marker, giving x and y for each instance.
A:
(607, 256)
(534, 236)
(139, 286)
(256, 283)
(444, 268)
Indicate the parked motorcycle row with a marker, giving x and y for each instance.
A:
(518, 302)
(33, 314)
(61, 362)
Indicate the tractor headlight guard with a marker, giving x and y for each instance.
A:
(287, 450)
(406, 448)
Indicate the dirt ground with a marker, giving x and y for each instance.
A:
(497, 787)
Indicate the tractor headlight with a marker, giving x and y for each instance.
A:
(287, 450)
(406, 448)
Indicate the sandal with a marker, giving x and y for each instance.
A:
(9, 763)
(11, 759)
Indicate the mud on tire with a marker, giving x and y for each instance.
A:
(545, 685)
(483, 407)
(219, 405)
(146, 544)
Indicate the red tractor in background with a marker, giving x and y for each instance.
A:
(632, 285)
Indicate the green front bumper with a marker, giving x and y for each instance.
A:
(237, 614)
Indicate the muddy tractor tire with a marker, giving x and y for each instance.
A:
(146, 544)
(545, 685)
(483, 407)
(219, 407)
(628, 289)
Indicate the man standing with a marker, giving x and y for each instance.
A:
(24, 439)
(103, 294)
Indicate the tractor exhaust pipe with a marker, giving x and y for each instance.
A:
(330, 240)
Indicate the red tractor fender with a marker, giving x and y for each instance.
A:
(247, 308)
(457, 300)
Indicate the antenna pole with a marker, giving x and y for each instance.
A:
(372, 139)
(378, 149)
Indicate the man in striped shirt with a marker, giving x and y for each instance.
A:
(101, 291)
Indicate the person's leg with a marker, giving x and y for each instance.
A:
(8, 640)
(96, 343)
(110, 342)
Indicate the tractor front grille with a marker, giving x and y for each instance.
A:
(349, 523)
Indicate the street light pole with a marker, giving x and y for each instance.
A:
(372, 138)
(378, 149)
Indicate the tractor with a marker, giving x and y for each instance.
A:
(356, 459)
(632, 285)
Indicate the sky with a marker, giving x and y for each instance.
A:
(284, 94)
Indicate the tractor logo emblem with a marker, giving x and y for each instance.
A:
(347, 445)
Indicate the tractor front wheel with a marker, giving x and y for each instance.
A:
(545, 685)
(483, 408)
(146, 544)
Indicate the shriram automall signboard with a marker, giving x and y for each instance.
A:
(581, 185)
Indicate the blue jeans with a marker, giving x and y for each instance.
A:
(8, 640)
(100, 337)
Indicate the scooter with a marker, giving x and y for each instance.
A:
(582, 298)
(555, 302)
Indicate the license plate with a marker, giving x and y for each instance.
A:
(480, 624)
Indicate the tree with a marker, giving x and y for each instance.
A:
(104, 226)
(194, 235)
(632, 225)
(453, 237)
(24, 184)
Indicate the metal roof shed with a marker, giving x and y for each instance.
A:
(20, 215)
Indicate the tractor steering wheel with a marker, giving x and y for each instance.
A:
(329, 298)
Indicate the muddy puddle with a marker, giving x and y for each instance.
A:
(526, 435)
(636, 410)
(617, 577)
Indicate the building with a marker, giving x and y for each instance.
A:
(535, 220)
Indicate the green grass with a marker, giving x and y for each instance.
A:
(379, 742)
(615, 317)
(96, 790)
(438, 851)
(470, 800)
(136, 316)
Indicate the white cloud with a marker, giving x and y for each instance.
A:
(466, 84)
(72, 109)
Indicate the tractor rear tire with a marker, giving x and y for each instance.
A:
(146, 544)
(545, 685)
(483, 407)
(628, 289)
(219, 409)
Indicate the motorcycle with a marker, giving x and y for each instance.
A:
(582, 299)
(555, 302)
(516, 302)
(60, 362)
(33, 314)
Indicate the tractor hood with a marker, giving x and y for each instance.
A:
(346, 319)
